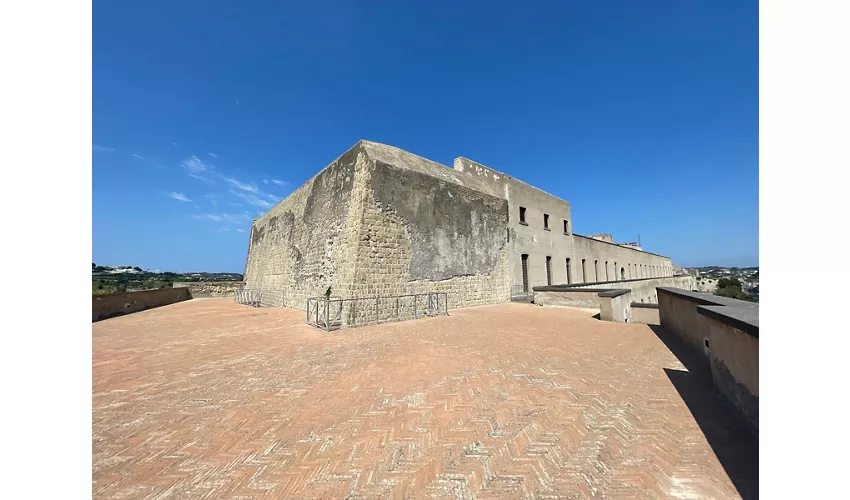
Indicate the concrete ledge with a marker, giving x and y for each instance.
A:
(740, 318)
(563, 286)
(706, 299)
(644, 305)
(118, 304)
(614, 293)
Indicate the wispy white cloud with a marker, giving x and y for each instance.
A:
(252, 199)
(195, 165)
(201, 178)
(179, 197)
(265, 181)
(251, 188)
(224, 229)
(240, 230)
(152, 161)
(223, 217)
(95, 147)
(213, 155)
(280, 183)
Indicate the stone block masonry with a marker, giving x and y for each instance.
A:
(379, 221)
(382, 222)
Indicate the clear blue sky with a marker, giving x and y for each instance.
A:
(643, 115)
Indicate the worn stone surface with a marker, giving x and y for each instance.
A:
(210, 399)
(210, 288)
(367, 228)
(383, 221)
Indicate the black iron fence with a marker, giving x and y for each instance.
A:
(335, 313)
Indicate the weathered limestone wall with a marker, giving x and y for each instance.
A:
(436, 235)
(735, 367)
(609, 262)
(380, 221)
(308, 241)
(557, 242)
(210, 288)
(117, 304)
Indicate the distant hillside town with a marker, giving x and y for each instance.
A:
(710, 278)
(112, 279)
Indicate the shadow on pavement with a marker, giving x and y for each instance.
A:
(734, 443)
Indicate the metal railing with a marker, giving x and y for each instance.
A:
(249, 297)
(519, 294)
(335, 313)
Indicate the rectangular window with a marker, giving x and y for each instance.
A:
(549, 270)
(616, 272)
(583, 272)
(566, 227)
(606, 271)
(569, 273)
(522, 216)
(546, 222)
(596, 271)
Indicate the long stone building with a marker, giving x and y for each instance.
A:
(379, 221)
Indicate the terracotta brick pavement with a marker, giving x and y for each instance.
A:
(210, 399)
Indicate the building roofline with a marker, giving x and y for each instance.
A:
(621, 246)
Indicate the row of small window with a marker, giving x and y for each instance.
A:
(635, 271)
(545, 221)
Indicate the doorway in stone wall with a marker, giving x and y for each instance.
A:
(525, 273)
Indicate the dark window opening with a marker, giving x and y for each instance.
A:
(566, 227)
(569, 273)
(583, 272)
(546, 222)
(522, 216)
(525, 273)
(707, 345)
(596, 271)
(622, 273)
(606, 271)
(549, 270)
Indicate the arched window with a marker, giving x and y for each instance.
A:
(622, 273)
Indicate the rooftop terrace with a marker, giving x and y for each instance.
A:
(210, 399)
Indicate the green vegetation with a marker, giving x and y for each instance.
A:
(731, 287)
(107, 279)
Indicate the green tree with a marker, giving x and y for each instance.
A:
(731, 287)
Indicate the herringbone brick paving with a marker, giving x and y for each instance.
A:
(210, 399)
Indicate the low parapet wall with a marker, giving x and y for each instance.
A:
(645, 313)
(211, 288)
(726, 332)
(613, 303)
(643, 289)
(117, 304)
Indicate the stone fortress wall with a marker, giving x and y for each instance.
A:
(590, 260)
(379, 221)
